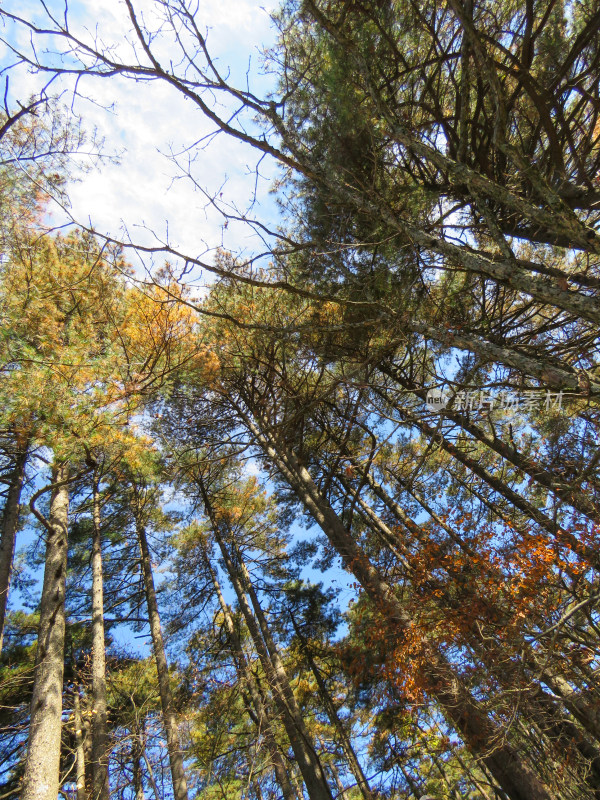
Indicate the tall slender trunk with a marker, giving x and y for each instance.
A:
(41, 780)
(79, 749)
(162, 669)
(137, 749)
(302, 745)
(477, 730)
(101, 790)
(151, 778)
(344, 738)
(262, 718)
(10, 520)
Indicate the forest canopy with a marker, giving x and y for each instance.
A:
(330, 526)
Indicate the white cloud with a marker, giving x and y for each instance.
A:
(147, 121)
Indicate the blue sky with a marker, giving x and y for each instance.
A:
(145, 190)
(145, 124)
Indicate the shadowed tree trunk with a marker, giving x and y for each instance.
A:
(41, 780)
(10, 520)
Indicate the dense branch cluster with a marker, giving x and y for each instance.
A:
(350, 499)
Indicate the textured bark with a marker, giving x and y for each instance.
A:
(41, 780)
(558, 377)
(162, 670)
(302, 746)
(10, 521)
(137, 748)
(482, 736)
(79, 749)
(246, 676)
(100, 742)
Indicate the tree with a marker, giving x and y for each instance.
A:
(439, 206)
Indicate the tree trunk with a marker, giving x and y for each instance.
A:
(304, 750)
(79, 749)
(560, 376)
(10, 521)
(137, 748)
(101, 790)
(41, 780)
(162, 670)
(477, 730)
(351, 758)
(397, 509)
(262, 718)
